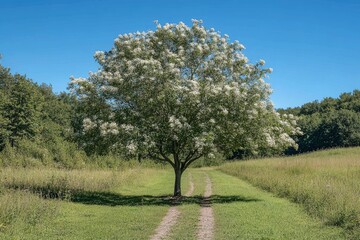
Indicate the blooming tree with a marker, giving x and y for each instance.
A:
(180, 93)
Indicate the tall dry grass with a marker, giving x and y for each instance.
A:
(24, 208)
(61, 183)
(326, 183)
(27, 195)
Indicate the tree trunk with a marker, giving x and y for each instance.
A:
(177, 186)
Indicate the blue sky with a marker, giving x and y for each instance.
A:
(313, 46)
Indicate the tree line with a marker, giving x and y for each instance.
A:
(41, 127)
(38, 126)
(332, 122)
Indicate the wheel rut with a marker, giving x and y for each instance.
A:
(206, 219)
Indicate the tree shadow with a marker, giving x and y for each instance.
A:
(115, 199)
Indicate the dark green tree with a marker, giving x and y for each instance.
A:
(22, 109)
(332, 122)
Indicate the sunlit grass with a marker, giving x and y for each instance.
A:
(28, 209)
(62, 183)
(24, 209)
(326, 183)
(134, 202)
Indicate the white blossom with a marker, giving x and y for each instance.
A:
(174, 122)
(127, 127)
(185, 86)
(88, 124)
(109, 128)
(270, 141)
(131, 147)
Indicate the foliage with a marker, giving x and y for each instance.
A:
(329, 123)
(19, 108)
(177, 94)
(35, 124)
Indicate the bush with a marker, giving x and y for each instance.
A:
(34, 153)
(209, 162)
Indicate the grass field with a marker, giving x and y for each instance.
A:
(64, 183)
(31, 197)
(129, 204)
(132, 209)
(325, 183)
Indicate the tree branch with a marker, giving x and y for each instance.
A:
(190, 155)
(164, 156)
(186, 164)
(161, 159)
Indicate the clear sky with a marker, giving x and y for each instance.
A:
(312, 45)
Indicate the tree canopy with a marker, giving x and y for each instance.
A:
(180, 93)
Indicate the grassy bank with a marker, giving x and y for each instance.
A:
(326, 183)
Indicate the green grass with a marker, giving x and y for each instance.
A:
(19, 209)
(51, 182)
(251, 213)
(325, 183)
(130, 212)
(133, 205)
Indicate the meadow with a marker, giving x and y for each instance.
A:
(50, 203)
(308, 196)
(31, 197)
(325, 183)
